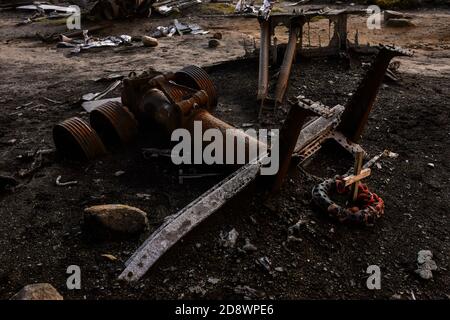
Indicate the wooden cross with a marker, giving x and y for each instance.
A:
(357, 175)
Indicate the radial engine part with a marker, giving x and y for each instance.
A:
(114, 123)
(75, 139)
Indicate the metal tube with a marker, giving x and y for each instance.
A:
(285, 69)
(263, 75)
(356, 113)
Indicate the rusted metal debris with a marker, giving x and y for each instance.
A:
(114, 123)
(263, 74)
(338, 45)
(74, 138)
(357, 111)
(346, 124)
(288, 138)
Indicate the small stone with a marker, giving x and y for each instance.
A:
(213, 43)
(425, 264)
(110, 220)
(213, 280)
(279, 269)
(229, 239)
(423, 256)
(396, 297)
(38, 291)
(431, 165)
(149, 41)
(119, 173)
(198, 290)
(110, 257)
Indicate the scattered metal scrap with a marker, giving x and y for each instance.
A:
(46, 12)
(345, 125)
(90, 42)
(76, 139)
(178, 28)
(166, 7)
(179, 224)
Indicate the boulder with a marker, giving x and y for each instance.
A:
(114, 220)
(38, 291)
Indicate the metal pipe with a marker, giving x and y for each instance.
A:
(263, 75)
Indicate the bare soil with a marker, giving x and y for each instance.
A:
(40, 225)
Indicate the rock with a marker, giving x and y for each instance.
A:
(395, 297)
(423, 256)
(213, 43)
(248, 247)
(399, 23)
(119, 173)
(229, 239)
(112, 220)
(38, 291)
(431, 165)
(425, 264)
(217, 36)
(149, 41)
